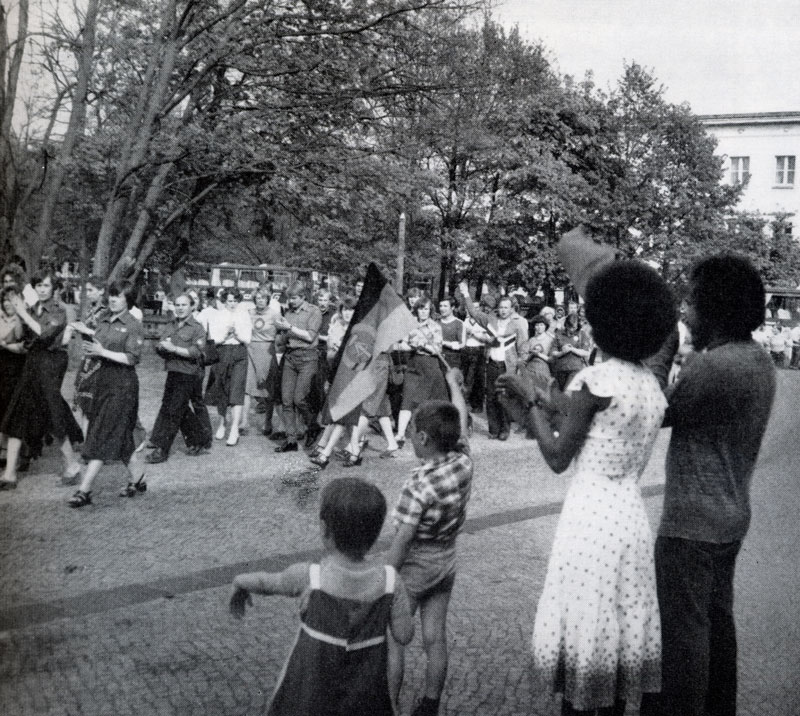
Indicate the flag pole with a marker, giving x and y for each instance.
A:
(401, 254)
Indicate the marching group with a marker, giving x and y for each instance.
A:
(621, 619)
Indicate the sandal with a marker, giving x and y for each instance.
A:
(133, 488)
(352, 460)
(80, 499)
(320, 460)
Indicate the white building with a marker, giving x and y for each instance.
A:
(760, 149)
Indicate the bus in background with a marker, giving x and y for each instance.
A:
(783, 304)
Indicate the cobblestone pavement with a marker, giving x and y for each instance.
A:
(121, 607)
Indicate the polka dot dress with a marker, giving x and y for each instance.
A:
(597, 634)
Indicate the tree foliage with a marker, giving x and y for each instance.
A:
(297, 133)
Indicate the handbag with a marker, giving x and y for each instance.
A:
(210, 354)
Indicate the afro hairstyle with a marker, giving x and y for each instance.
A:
(631, 310)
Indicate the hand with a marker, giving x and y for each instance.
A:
(19, 304)
(282, 324)
(515, 388)
(463, 289)
(240, 600)
(93, 348)
(167, 345)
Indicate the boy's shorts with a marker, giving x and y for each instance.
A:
(428, 569)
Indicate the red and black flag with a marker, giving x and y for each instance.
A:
(381, 318)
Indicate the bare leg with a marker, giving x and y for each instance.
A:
(236, 416)
(12, 453)
(92, 468)
(245, 413)
(71, 462)
(395, 669)
(433, 613)
(386, 426)
(335, 435)
(402, 424)
(220, 434)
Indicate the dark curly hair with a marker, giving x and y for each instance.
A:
(631, 310)
(728, 295)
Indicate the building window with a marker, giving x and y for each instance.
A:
(784, 171)
(740, 170)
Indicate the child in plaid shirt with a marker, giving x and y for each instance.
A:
(429, 515)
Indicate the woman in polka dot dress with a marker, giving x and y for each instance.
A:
(597, 633)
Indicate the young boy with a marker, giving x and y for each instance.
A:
(429, 515)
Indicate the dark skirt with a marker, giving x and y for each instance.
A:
(536, 371)
(11, 367)
(227, 381)
(113, 415)
(36, 407)
(85, 380)
(424, 381)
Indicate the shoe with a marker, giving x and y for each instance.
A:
(157, 456)
(503, 435)
(194, 450)
(220, 434)
(426, 707)
(267, 431)
(493, 436)
(400, 443)
(80, 499)
(8, 485)
(279, 436)
(243, 431)
(133, 488)
(353, 460)
(312, 434)
(320, 461)
(232, 440)
(69, 478)
(388, 454)
(287, 447)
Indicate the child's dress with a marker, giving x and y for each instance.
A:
(337, 666)
(597, 633)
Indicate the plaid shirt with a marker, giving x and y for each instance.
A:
(435, 496)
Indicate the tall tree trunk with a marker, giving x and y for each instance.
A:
(75, 128)
(9, 77)
(141, 130)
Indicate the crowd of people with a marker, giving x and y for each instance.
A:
(621, 619)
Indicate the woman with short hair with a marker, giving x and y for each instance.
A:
(231, 330)
(117, 343)
(37, 408)
(424, 379)
(260, 357)
(12, 351)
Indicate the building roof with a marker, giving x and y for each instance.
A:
(749, 118)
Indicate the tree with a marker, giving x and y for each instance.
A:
(11, 54)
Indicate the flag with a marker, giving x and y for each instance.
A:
(381, 318)
(582, 257)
